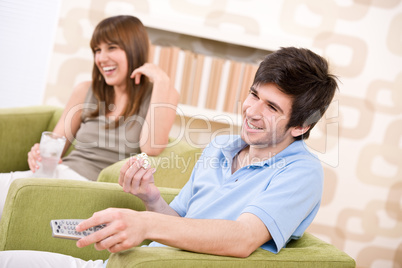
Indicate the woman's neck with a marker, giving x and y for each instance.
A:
(119, 103)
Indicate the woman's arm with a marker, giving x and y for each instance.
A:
(68, 124)
(70, 120)
(162, 109)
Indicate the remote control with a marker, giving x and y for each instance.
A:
(66, 229)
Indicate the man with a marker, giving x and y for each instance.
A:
(259, 189)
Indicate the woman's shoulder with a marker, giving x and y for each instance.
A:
(81, 91)
(78, 94)
(82, 88)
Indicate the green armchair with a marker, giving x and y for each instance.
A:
(32, 203)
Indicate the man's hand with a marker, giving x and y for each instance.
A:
(124, 229)
(138, 180)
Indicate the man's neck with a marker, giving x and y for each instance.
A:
(254, 154)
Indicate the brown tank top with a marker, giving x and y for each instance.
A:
(97, 147)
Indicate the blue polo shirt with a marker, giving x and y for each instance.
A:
(283, 191)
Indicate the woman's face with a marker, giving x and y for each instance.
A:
(111, 61)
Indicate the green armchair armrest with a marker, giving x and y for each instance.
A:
(308, 252)
(20, 128)
(173, 166)
(32, 203)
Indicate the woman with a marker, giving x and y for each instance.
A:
(127, 108)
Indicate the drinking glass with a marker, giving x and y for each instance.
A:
(51, 147)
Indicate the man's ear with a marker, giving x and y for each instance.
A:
(300, 130)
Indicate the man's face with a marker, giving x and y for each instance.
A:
(266, 112)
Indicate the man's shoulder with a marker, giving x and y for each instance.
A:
(298, 155)
(299, 149)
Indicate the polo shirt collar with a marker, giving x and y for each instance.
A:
(235, 144)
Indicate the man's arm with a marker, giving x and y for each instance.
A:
(237, 238)
(128, 228)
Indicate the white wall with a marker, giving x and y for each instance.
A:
(27, 30)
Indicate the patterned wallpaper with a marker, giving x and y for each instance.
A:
(359, 140)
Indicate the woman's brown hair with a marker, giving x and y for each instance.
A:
(129, 34)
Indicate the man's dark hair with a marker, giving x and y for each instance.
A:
(303, 75)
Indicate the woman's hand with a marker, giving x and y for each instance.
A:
(34, 158)
(124, 229)
(153, 72)
(139, 180)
